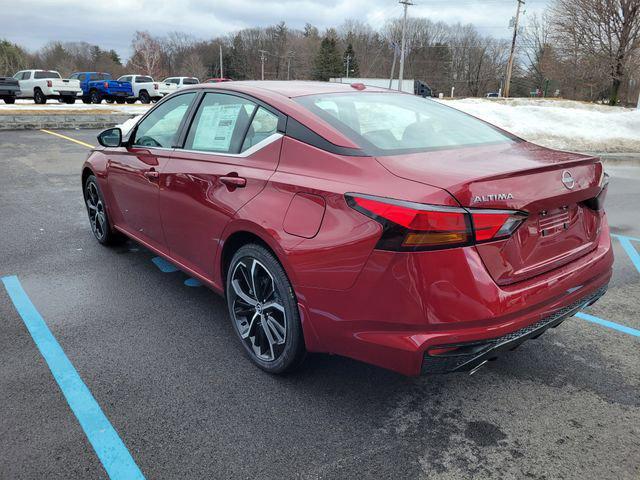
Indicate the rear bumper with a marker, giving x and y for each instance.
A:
(403, 305)
(464, 357)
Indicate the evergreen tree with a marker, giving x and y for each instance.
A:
(328, 62)
(354, 69)
(115, 58)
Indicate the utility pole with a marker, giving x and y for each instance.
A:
(221, 67)
(348, 60)
(263, 58)
(393, 65)
(507, 86)
(406, 4)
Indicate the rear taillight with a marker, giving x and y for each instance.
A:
(409, 226)
(597, 203)
(106, 84)
(155, 86)
(49, 83)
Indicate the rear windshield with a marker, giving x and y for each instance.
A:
(190, 81)
(394, 123)
(41, 75)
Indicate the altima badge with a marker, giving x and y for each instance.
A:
(492, 197)
(568, 180)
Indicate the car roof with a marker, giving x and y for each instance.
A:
(290, 89)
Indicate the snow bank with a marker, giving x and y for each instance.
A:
(561, 124)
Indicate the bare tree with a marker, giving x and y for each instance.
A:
(147, 54)
(607, 29)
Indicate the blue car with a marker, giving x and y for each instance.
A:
(98, 86)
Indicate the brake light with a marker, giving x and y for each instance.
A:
(155, 86)
(410, 226)
(49, 83)
(106, 84)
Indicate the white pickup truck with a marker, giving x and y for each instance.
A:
(171, 84)
(44, 84)
(144, 88)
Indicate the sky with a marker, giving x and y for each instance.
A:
(112, 23)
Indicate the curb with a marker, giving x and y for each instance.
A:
(64, 121)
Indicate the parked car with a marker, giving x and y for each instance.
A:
(358, 221)
(9, 88)
(42, 85)
(167, 88)
(144, 88)
(217, 80)
(493, 95)
(182, 82)
(98, 86)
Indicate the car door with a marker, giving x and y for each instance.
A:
(26, 84)
(133, 171)
(225, 162)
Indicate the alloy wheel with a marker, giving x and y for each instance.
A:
(257, 309)
(95, 208)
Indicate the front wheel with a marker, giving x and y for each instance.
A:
(97, 212)
(264, 311)
(95, 97)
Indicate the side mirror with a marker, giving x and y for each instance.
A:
(110, 138)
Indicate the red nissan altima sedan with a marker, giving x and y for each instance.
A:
(357, 221)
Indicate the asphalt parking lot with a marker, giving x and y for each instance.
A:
(159, 357)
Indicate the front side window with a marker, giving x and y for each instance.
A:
(144, 79)
(390, 123)
(160, 127)
(220, 123)
(263, 125)
(42, 75)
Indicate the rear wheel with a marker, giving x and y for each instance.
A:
(39, 97)
(86, 100)
(109, 100)
(9, 101)
(69, 100)
(120, 100)
(131, 100)
(144, 97)
(97, 212)
(264, 311)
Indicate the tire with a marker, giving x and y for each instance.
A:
(119, 101)
(69, 101)
(39, 97)
(95, 96)
(9, 101)
(144, 97)
(99, 221)
(86, 100)
(109, 100)
(280, 347)
(131, 101)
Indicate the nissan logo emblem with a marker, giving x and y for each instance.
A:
(567, 180)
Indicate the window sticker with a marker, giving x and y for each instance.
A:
(215, 127)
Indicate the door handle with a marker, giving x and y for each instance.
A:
(234, 181)
(152, 175)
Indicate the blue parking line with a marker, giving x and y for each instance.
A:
(109, 448)
(163, 265)
(631, 250)
(192, 282)
(607, 323)
(625, 236)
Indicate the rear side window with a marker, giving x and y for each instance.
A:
(42, 75)
(264, 125)
(100, 76)
(394, 123)
(220, 123)
(144, 79)
(160, 127)
(124, 79)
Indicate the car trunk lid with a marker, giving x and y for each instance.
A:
(550, 186)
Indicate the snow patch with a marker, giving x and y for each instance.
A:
(560, 124)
